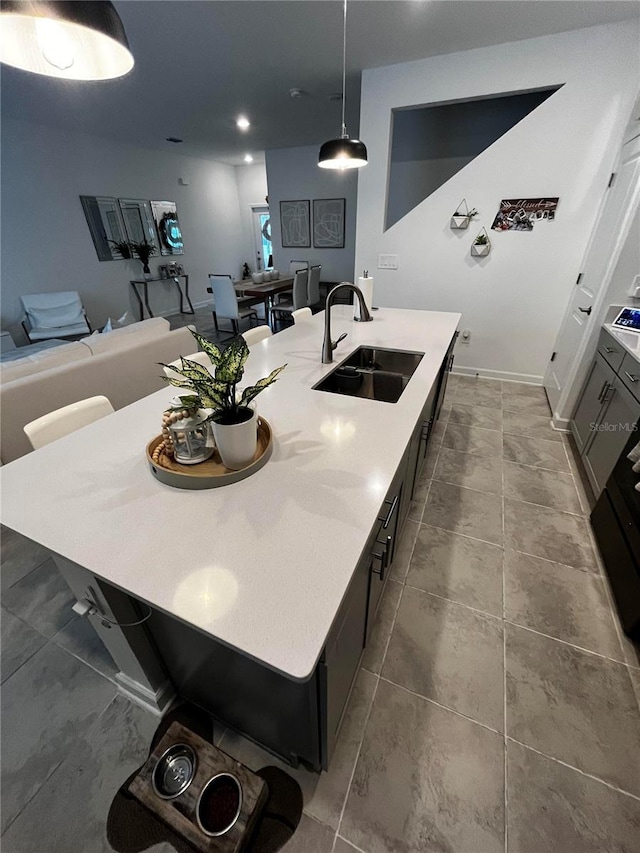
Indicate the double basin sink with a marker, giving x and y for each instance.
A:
(373, 373)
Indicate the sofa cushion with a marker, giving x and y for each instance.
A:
(155, 327)
(43, 360)
(57, 316)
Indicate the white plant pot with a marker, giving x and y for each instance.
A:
(237, 443)
(481, 250)
(459, 221)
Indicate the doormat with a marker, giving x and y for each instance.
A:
(132, 828)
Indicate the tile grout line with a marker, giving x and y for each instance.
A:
(457, 603)
(576, 769)
(350, 843)
(440, 705)
(504, 677)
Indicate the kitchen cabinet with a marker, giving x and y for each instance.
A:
(608, 409)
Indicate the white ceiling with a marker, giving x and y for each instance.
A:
(199, 63)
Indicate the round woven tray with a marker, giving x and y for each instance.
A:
(211, 473)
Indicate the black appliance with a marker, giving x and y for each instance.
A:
(616, 523)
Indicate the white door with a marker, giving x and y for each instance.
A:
(586, 307)
(263, 250)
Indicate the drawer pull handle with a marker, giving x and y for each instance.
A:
(603, 391)
(379, 571)
(630, 376)
(609, 350)
(586, 311)
(386, 520)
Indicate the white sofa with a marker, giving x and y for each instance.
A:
(122, 365)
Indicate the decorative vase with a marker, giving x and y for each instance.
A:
(237, 443)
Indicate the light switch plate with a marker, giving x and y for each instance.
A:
(387, 262)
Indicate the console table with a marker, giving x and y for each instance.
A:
(145, 290)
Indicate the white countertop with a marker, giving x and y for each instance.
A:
(261, 565)
(629, 340)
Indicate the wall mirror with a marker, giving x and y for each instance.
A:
(138, 221)
(165, 215)
(106, 226)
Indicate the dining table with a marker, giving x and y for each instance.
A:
(266, 291)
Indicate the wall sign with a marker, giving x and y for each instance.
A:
(520, 214)
(328, 223)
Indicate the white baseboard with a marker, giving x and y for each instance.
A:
(486, 373)
(158, 702)
(561, 424)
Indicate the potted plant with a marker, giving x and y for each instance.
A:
(143, 251)
(233, 420)
(463, 216)
(481, 245)
(122, 247)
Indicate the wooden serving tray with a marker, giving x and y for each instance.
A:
(211, 473)
(180, 813)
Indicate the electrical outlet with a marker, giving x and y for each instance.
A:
(387, 262)
(465, 336)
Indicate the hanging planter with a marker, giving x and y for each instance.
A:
(463, 216)
(481, 246)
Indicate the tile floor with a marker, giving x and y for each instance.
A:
(497, 708)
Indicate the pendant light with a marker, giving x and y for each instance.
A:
(343, 153)
(71, 39)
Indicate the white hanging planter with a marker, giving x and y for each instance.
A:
(480, 250)
(463, 216)
(237, 443)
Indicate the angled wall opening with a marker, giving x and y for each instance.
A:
(429, 144)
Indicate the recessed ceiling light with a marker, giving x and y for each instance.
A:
(243, 123)
(248, 158)
(174, 139)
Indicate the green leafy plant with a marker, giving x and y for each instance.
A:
(122, 246)
(143, 251)
(219, 391)
(481, 240)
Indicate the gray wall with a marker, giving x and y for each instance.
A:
(293, 173)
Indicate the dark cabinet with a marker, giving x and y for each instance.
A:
(591, 404)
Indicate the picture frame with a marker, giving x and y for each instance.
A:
(165, 217)
(328, 223)
(295, 230)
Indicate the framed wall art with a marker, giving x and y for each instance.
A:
(294, 224)
(165, 216)
(328, 223)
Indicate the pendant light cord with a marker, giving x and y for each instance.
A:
(344, 67)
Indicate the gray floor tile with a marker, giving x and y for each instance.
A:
(525, 405)
(524, 389)
(474, 391)
(539, 486)
(81, 790)
(458, 568)
(404, 549)
(464, 511)
(635, 681)
(560, 601)
(470, 470)
(574, 706)
(437, 432)
(536, 451)
(311, 836)
(487, 417)
(555, 809)
(343, 846)
(18, 556)
(19, 643)
(532, 426)
(548, 533)
(42, 599)
(426, 780)
(49, 704)
(79, 638)
(480, 442)
(383, 623)
(332, 788)
(416, 507)
(450, 654)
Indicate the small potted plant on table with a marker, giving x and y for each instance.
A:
(143, 250)
(233, 419)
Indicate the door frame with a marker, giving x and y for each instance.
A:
(257, 209)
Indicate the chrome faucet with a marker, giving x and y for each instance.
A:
(328, 345)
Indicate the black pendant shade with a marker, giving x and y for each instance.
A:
(343, 153)
(71, 39)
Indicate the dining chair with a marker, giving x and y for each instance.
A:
(225, 302)
(201, 357)
(54, 315)
(299, 296)
(301, 314)
(61, 422)
(259, 333)
(313, 285)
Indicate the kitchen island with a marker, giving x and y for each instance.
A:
(262, 593)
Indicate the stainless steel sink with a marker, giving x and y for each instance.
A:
(372, 373)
